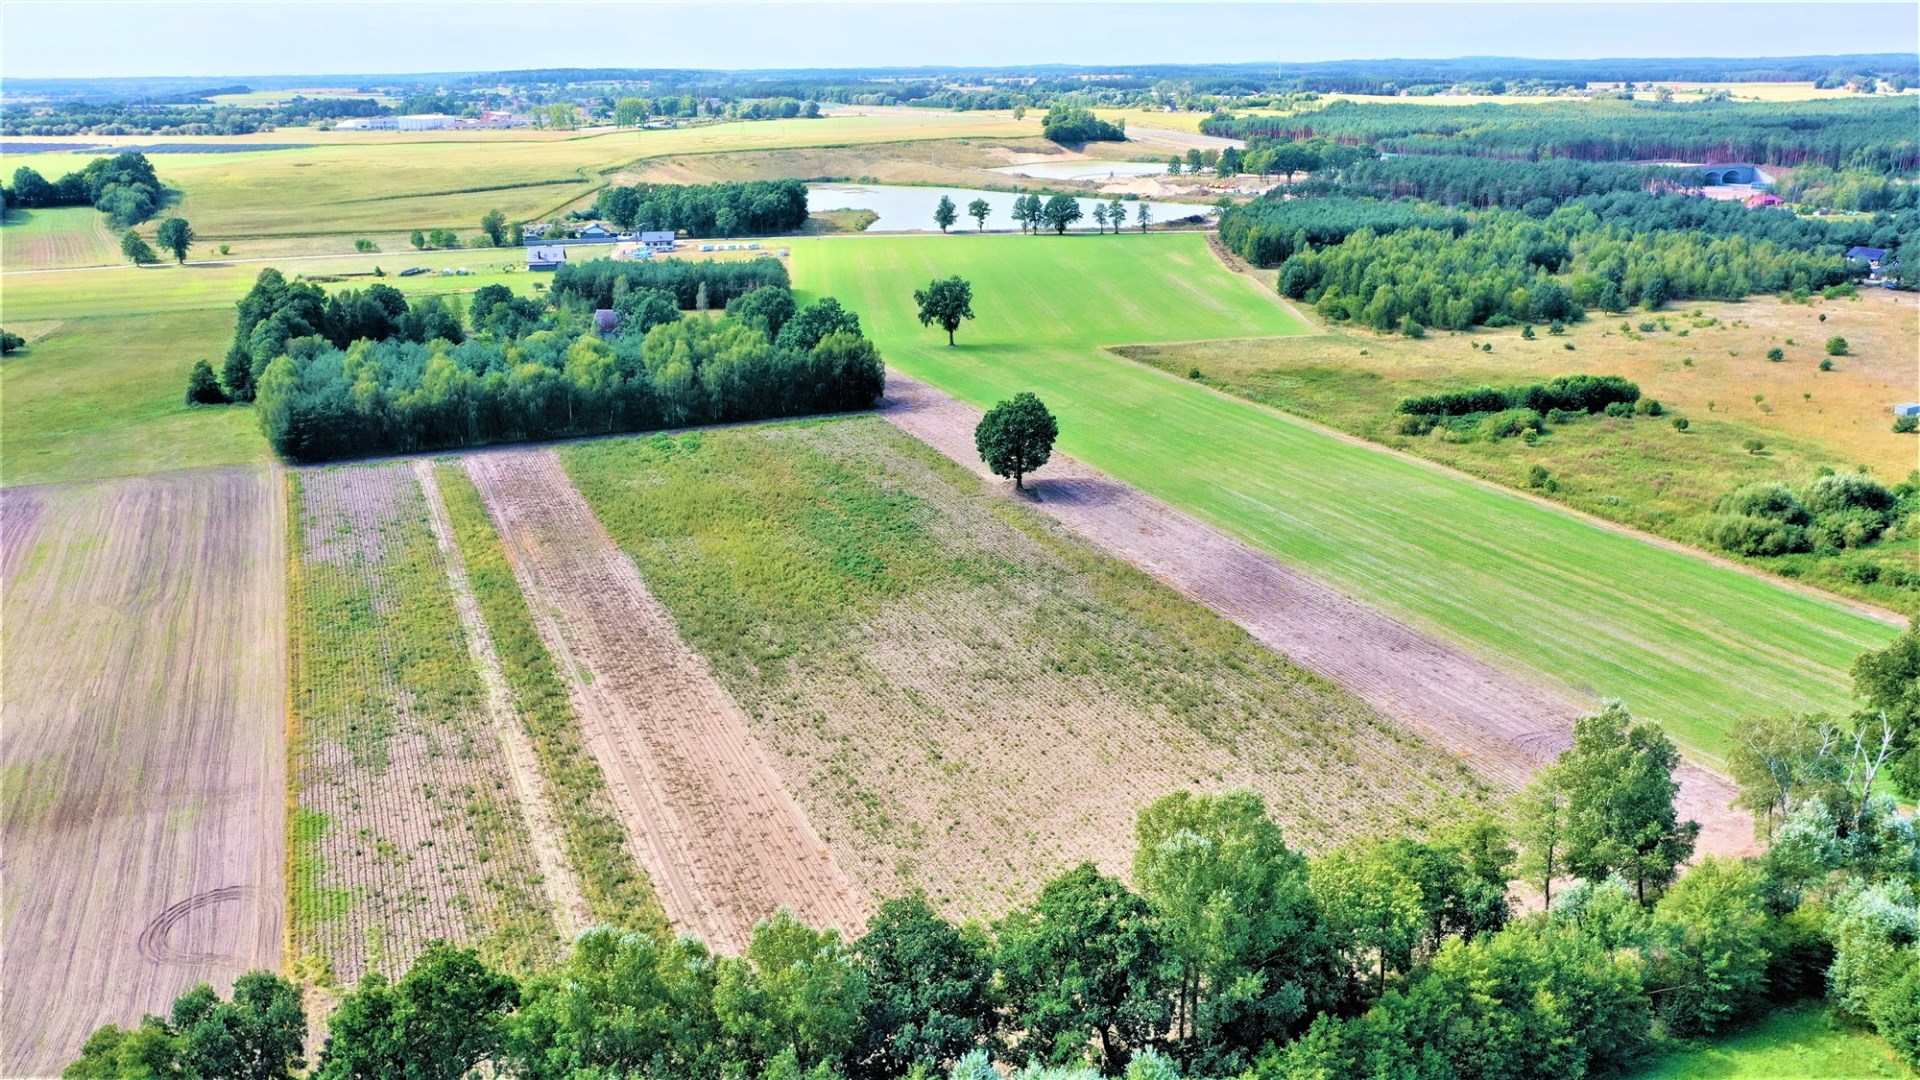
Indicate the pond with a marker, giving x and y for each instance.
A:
(1084, 170)
(910, 209)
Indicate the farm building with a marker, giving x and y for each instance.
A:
(1763, 200)
(596, 231)
(546, 258)
(1907, 408)
(658, 241)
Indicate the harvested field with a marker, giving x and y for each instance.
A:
(406, 826)
(723, 841)
(143, 766)
(57, 237)
(1504, 727)
(966, 698)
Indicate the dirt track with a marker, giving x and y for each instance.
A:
(144, 761)
(1503, 726)
(722, 839)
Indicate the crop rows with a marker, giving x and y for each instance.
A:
(947, 679)
(617, 892)
(405, 828)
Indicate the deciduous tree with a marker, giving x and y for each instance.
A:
(944, 213)
(176, 236)
(978, 210)
(945, 301)
(1016, 437)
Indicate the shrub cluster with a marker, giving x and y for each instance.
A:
(1836, 511)
(1567, 393)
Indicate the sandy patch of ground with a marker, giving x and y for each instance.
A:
(143, 761)
(1504, 727)
(715, 829)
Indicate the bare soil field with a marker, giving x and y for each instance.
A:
(406, 824)
(717, 831)
(1503, 726)
(965, 698)
(143, 762)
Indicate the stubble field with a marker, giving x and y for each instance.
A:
(144, 764)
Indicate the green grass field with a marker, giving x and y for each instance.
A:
(1805, 1042)
(62, 236)
(1680, 639)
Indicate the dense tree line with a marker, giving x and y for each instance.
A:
(184, 118)
(1271, 231)
(1393, 265)
(749, 208)
(1568, 393)
(1224, 951)
(1072, 126)
(530, 374)
(1482, 182)
(1868, 134)
(276, 313)
(123, 187)
(694, 285)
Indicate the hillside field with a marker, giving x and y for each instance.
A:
(56, 236)
(1681, 639)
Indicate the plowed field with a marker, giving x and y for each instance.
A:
(965, 697)
(143, 764)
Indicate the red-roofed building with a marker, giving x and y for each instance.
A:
(1765, 198)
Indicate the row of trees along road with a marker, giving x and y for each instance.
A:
(1030, 212)
(1225, 952)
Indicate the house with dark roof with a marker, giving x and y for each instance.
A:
(596, 231)
(551, 257)
(1873, 257)
(661, 240)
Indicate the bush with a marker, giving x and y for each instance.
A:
(1744, 534)
(1906, 425)
(1836, 346)
(1826, 365)
(1680, 423)
(1753, 446)
(1776, 354)
(1768, 500)
(10, 342)
(1509, 422)
(1649, 407)
(1526, 332)
(1848, 491)
(1537, 476)
(1619, 409)
(202, 387)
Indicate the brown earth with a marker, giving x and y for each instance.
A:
(716, 830)
(1504, 727)
(143, 756)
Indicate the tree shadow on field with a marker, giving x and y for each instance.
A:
(1074, 490)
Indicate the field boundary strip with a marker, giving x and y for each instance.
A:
(1505, 727)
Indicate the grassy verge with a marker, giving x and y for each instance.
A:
(1694, 645)
(1803, 1042)
(617, 891)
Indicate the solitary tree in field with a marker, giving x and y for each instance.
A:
(1836, 346)
(418, 239)
(945, 301)
(494, 224)
(1016, 437)
(176, 236)
(978, 210)
(1060, 212)
(136, 249)
(944, 214)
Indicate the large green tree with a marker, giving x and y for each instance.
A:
(931, 989)
(1060, 212)
(945, 301)
(441, 1021)
(978, 210)
(1887, 683)
(798, 993)
(493, 224)
(1083, 969)
(945, 213)
(1016, 437)
(136, 249)
(1620, 787)
(176, 236)
(623, 1004)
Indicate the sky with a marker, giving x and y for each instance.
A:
(75, 38)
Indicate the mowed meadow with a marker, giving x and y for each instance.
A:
(1681, 639)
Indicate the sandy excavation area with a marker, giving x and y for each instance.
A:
(714, 827)
(144, 671)
(1504, 727)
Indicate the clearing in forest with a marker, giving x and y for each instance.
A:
(143, 767)
(965, 698)
(406, 827)
(1598, 613)
(715, 828)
